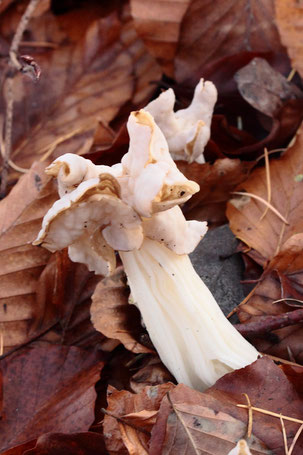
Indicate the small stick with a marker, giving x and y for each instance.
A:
(266, 324)
(14, 65)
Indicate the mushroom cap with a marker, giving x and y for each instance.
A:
(187, 131)
(71, 170)
(93, 205)
(151, 181)
(172, 229)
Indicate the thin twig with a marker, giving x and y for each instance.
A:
(14, 65)
(265, 324)
(125, 422)
(260, 199)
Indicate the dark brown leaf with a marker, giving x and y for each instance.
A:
(88, 443)
(47, 389)
(213, 30)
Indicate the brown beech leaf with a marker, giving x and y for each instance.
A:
(47, 389)
(264, 88)
(289, 17)
(213, 30)
(113, 316)
(92, 73)
(158, 24)
(211, 423)
(21, 263)
(86, 443)
(268, 234)
(216, 182)
(137, 409)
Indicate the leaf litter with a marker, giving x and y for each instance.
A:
(78, 371)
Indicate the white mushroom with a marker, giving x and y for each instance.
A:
(144, 223)
(92, 221)
(187, 131)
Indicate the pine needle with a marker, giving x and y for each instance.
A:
(268, 183)
(250, 416)
(284, 435)
(260, 199)
(270, 413)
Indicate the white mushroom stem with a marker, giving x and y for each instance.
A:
(187, 327)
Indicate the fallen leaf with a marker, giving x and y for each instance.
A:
(114, 317)
(21, 263)
(282, 278)
(91, 78)
(268, 234)
(216, 182)
(87, 443)
(289, 18)
(140, 409)
(265, 88)
(211, 31)
(211, 423)
(158, 24)
(47, 389)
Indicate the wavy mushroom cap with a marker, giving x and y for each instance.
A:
(187, 131)
(93, 221)
(174, 231)
(151, 181)
(71, 170)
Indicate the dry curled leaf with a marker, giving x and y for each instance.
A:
(114, 317)
(137, 409)
(47, 389)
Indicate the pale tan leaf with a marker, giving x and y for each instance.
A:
(289, 16)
